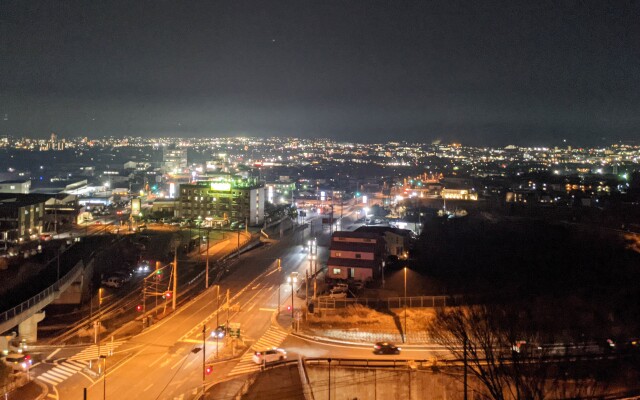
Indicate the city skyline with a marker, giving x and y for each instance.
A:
(491, 74)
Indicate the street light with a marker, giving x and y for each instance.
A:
(405, 304)
(291, 280)
(206, 278)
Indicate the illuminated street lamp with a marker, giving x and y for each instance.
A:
(291, 280)
(405, 304)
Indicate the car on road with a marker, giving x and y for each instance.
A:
(386, 348)
(143, 267)
(269, 356)
(219, 332)
(18, 362)
(112, 282)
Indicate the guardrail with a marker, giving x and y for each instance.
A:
(304, 379)
(391, 302)
(368, 362)
(27, 304)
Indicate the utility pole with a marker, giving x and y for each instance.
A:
(104, 378)
(228, 306)
(206, 275)
(329, 378)
(204, 357)
(217, 315)
(279, 283)
(464, 347)
(306, 288)
(405, 304)
(175, 277)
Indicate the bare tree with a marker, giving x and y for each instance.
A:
(505, 354)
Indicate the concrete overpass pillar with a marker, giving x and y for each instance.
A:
(29, 328)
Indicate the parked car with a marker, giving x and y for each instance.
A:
(386, 348)
(268, 356)
(340, 287)
(112, 281)
(339, 294)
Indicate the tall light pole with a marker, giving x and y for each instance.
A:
(217, 315)
(206, 275)
(204, 357)
(279, 281)
(175, 278)
(405, 304)
(104, 378)
(291, 280)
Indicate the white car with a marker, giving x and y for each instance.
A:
(268, 356)
(18, 362)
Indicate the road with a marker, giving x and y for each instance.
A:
(162, 362)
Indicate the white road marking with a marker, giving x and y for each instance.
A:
(159, 358)
(50, 382)
(54, 353)
(58, 373)
(148, 387)
(51, 377)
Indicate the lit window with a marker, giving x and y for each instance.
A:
(337, 271)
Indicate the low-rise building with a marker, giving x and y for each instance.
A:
(355, 256)
(21, 186)
(21, 216)
(458, 194)
(397, 241)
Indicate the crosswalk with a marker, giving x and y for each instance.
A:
(76, 363)
(94, 351)
(62, 371)
(273, 337)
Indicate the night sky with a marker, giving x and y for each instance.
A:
(479, 72)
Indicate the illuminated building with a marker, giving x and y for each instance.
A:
(223, 201)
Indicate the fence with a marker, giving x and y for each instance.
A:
(391, 302)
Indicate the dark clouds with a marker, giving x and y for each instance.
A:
(481, 72)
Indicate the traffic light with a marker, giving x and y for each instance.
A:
(167, 294)
(208, 370)
(139, 308)
(288, 308)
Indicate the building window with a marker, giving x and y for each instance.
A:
(358, 255)
(338, 254)
(337, 271)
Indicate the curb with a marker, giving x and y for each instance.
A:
(322, 339)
